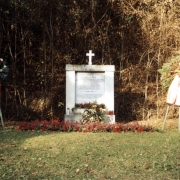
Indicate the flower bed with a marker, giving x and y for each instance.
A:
(67, 126)
(91, 111)
(89, 105)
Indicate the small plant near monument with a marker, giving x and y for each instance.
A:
(93, 115)
(91, 111)
(60, 104)
(94, 112)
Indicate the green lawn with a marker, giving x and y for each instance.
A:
(121, 156)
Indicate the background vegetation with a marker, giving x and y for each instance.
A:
(38, 37)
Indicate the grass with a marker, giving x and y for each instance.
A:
(96, 156)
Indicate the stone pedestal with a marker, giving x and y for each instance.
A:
(110, 119)
(73, 117)
(77, 118)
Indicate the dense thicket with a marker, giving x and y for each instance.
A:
(38, 37)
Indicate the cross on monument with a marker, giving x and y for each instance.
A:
(90, 54)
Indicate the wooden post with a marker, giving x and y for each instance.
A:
(165, 117)
(2, 122)
(1, 119)
(179, 120)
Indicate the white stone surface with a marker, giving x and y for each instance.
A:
(90, 87)
(109, 91)
(70, 89)
(73, 117)
(101, 68)
(110, 119)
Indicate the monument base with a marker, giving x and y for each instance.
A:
(110, 119)
(77, 118)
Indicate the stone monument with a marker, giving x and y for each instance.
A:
(89, 83)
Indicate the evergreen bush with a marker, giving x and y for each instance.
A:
(168, 71)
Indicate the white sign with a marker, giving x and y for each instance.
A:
(90, 87)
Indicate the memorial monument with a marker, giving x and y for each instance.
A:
(89, 83)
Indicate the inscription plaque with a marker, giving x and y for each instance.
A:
(90, 87)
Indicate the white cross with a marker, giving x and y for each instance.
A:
(90, 54)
